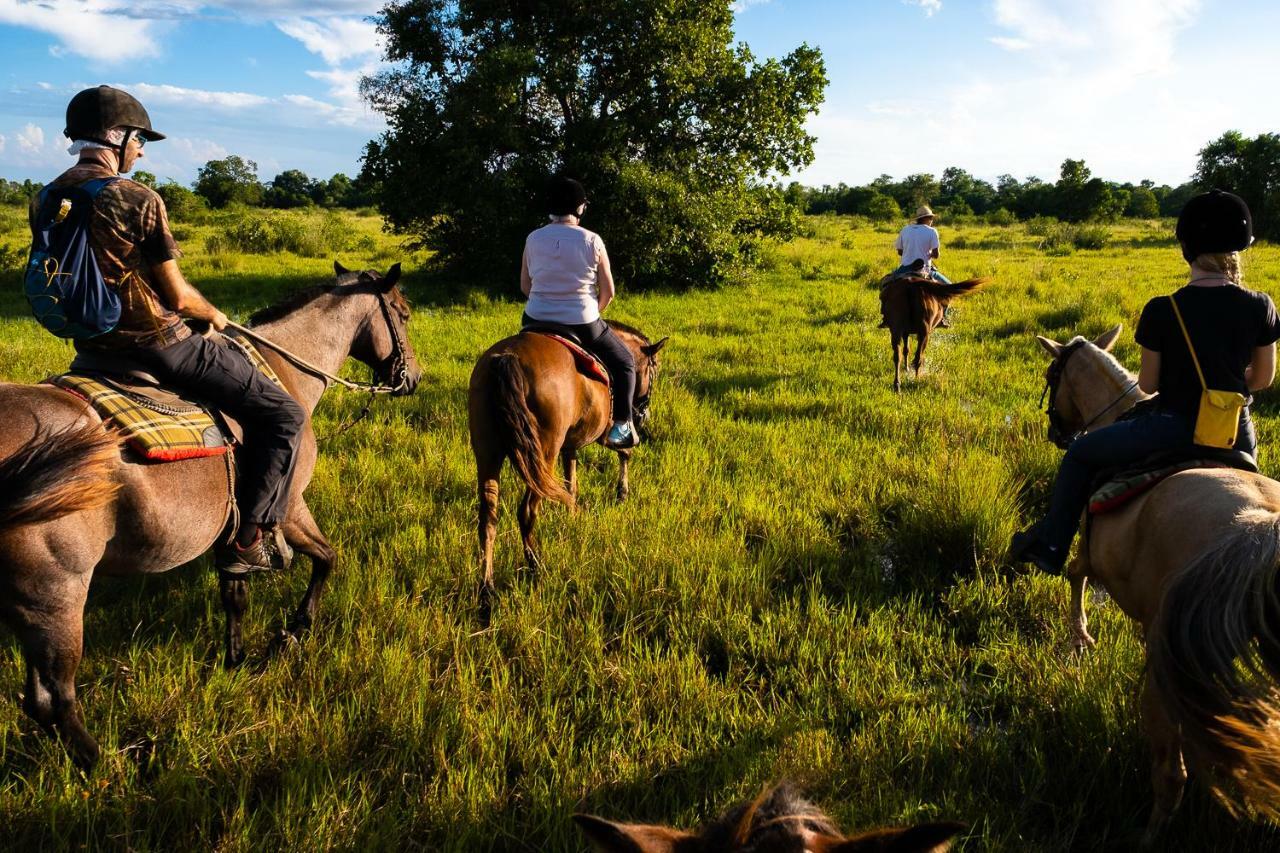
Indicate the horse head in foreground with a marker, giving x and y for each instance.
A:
(778, 821)
(914, 305)
(75, 503)
(529, 402)
(1195, 560)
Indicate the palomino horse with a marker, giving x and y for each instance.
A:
(1195, 562)
(778, 820)
(528, 401)
(913, 305)
(73, 505)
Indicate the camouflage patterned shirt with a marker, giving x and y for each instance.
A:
(129, 232)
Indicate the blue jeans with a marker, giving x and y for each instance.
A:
(933, 274)
(1113, 446)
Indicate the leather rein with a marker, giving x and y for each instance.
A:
(1058, 432)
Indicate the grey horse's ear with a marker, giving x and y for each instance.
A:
(609, 837)
(339, 269)
(389, 280)
(927, 838)
(1052, 347)
(653, 349)
(1107, 339)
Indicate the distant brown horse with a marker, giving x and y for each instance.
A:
(1196, 562)
(778, 821)
(530, 403)
(73, 504)
(913, 305)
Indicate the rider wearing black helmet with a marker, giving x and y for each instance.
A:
(1234, 332)
(137, 255)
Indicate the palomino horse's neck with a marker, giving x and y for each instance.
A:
(321, 332)
(1101, 388)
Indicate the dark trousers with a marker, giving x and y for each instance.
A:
(1113, 446)
(215, 374)
(601, 341)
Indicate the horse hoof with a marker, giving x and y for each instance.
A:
(484, 605)
(284, 640)
(233, 660)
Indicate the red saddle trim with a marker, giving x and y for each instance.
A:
(587, 363)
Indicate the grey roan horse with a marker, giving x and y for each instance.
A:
(72, 505)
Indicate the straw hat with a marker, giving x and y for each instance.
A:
(923, 211)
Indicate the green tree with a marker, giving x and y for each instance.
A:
(1143, 203)
(147, 179)
(180, 201)
(1251, 169)
(291, 188)
(648, 102)
(233, 179)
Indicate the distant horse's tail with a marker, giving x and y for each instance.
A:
(947, 292)
(1214, 657)
(56, 474)
(510, 401)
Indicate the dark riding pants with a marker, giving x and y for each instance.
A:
(1111, 447)
(212, 372)
(601, 342)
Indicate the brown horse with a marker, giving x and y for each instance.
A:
(73, 504)
(529, 402)
(1206, 595)
(914, 305)
(779, 821)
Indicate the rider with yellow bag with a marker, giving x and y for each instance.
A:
(1205, 349)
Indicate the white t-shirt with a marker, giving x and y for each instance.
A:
(563, 260)
(917, 241)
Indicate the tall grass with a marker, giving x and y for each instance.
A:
(809, 580)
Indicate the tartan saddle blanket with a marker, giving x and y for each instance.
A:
(587, 364)
(155, 423)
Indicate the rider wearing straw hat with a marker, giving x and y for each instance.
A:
(1233, 331)
(129, 233)
(917, 245)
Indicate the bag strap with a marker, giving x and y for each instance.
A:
(1204, 385)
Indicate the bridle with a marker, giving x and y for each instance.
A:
(1058, 432)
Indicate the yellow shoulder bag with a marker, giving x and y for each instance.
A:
(1219, 415)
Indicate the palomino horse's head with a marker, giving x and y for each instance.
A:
(1085, 385)
(778, 821)
(383, 343)
(647, 365)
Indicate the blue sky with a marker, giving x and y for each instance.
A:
(1135, 87)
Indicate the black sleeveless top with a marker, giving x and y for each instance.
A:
(1226, 324)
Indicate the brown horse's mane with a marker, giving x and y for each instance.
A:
(631, 330)
(289, 304)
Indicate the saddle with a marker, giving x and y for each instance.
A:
(586, 362)
(156, 423)
(1114, 489)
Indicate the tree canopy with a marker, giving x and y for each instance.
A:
(232, 179)
(1249, 168)
(672, 128)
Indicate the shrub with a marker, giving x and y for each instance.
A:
(1001, 216)
(1041, 226)
(1091, 236)
(182, 203)
(306, 235)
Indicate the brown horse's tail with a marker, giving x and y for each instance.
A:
(946, 292)
(1214, 657)
(56, 474)
(510, 396)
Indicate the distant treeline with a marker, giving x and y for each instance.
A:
(234, 180)
(1249, 167)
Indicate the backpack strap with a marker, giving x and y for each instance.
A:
(1187, 337)
(97, 185)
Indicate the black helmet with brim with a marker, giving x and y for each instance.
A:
(92, 112)
(1214, 223)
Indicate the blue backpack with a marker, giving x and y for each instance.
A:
(63, 282)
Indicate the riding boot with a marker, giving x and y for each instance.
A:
(1028, 547)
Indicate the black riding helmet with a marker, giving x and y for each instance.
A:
(1213, 223)
(564, 195)
(92, 112)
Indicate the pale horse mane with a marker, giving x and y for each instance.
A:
(1097, 379)
(1105, 362)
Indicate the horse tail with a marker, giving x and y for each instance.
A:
(1214, 658)
(947, 292)
(56, 474)
(510, 400)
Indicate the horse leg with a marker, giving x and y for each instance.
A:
(528, 515)
(897, 365)
(304, 536)
(235, 601)
(487, 527)
(1081, 641)
(52, 638)
(922, 341)
(624, 467)
(1168, 772)
(569, 461)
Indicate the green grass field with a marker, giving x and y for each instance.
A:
(808, 581)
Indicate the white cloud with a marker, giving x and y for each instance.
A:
(3, 140)
(1012, 44)
(929, 6)
(101, 30)
(335, 40)
(30, 139)
(165, 95)
(740, 6)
